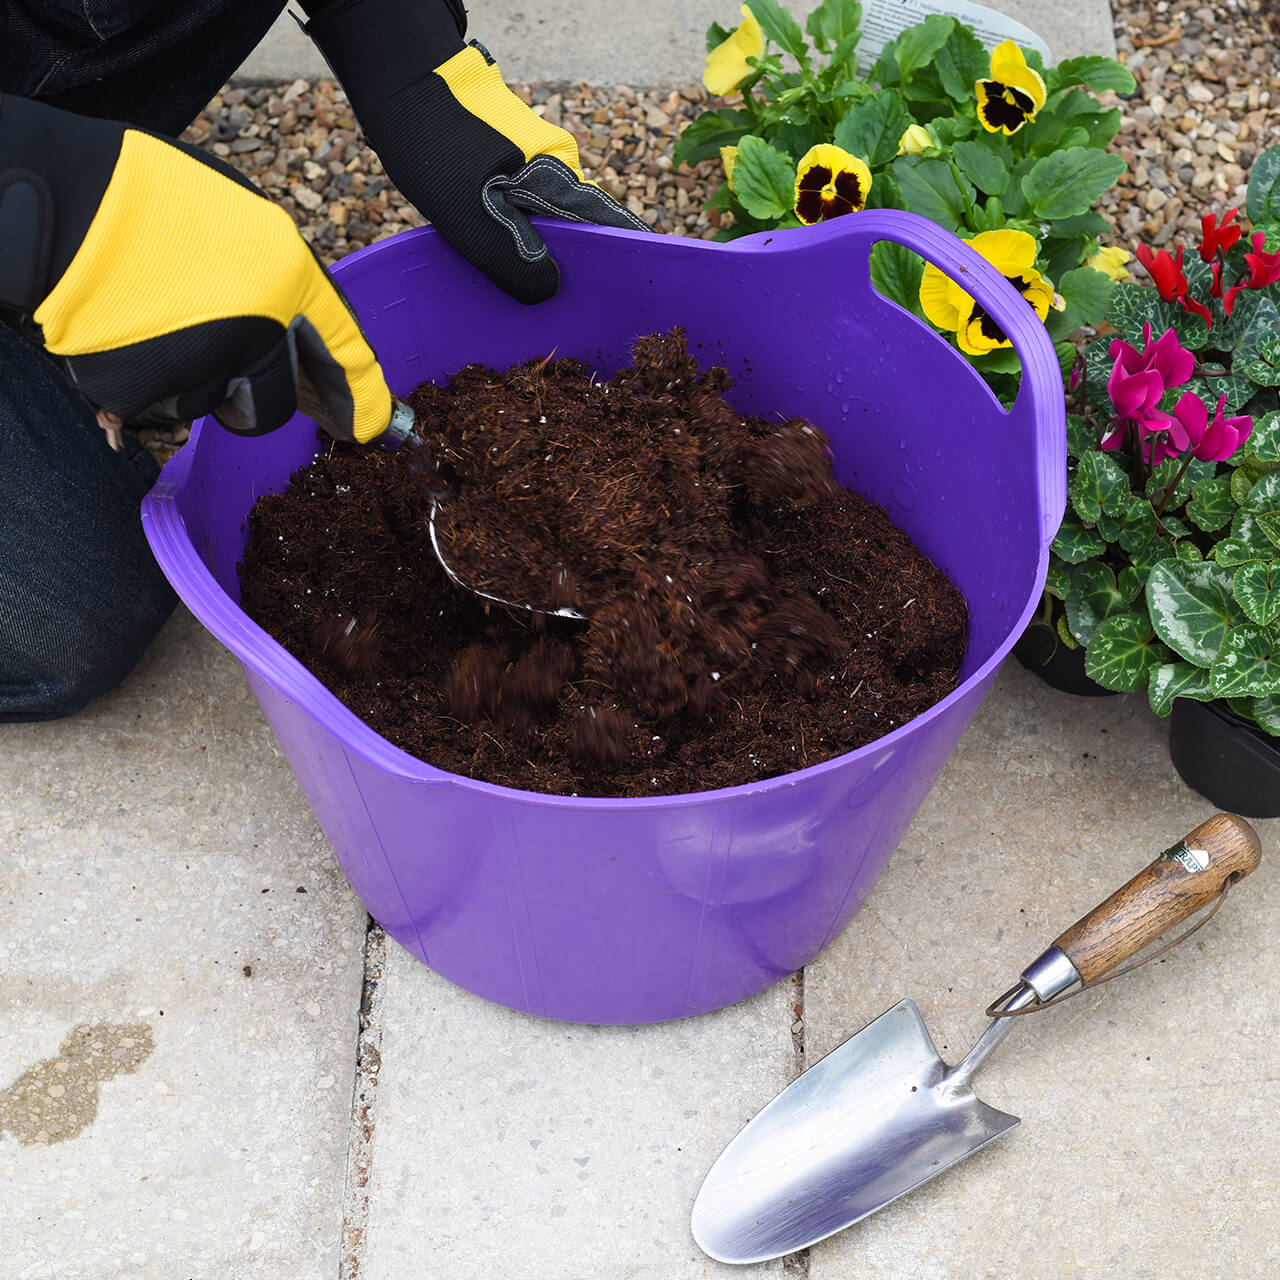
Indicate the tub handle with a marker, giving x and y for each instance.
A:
(1040, 405)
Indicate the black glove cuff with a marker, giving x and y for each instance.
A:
(377, 47)
(54, 169)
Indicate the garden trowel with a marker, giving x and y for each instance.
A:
(883, 1113)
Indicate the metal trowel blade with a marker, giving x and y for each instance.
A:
(872, 1120)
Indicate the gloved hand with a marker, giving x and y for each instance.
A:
(168, 285)
(456, 141)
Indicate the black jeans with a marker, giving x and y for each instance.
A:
(80, 596)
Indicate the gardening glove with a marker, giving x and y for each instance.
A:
(167, 285)
(456, 141)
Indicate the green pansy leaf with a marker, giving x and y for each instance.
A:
(952, 129)
(1211, 506)
(780, 27)
(834, 21)
(1092, 597)
(1248, 664)
(983, 165)
(1074, 542)
(716, 36)
(929, 188)
(1099, 486)
(1192, 607)
(1068, 182)
(1257, 588)
(917, 46)
(707, 134)
(1263, 200)
(1096, 73)
(871, 129)
(897, 272)
(961, 62)
(1086, 293)
(1123, 652)
(763, 179)
(1177, 680)
(1002, 360)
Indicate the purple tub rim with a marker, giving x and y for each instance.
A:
(256, 649)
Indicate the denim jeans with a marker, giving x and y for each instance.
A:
(80, 595)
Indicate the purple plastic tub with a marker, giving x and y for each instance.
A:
(629, 911)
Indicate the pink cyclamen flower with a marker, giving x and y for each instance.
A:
(1140, 378)
(1210, 441)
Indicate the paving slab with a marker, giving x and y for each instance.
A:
(1149, 1144)
(180, 975)
(658, 44)
(506, 1145)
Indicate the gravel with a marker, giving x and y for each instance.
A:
(1207, 104)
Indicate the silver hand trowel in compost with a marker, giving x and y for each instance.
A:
(883, 1113)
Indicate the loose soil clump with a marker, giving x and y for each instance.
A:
(745, 616)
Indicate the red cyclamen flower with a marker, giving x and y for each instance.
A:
(1165, 271)
(1264, 269)
(1218, 236)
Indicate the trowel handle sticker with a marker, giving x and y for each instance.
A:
(1189, 859)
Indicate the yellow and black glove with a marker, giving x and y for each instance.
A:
(457, 142)
(167, 284)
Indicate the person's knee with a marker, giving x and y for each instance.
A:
(52, 667)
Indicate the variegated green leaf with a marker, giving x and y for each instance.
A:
(1257, 587)
(1235, 386)
(1064, 634)
(1263, 495)
(1099, 486)
(1259, 361)
(1211, 507)
(1248, 541)
(1134, 305)
(1263, 443)
(1241, 484)
(1081, 438)
(1131, 582)
(1266, 711)
(1248, 664)
(1058, 581)
(1269, 523)
(1169, 471)
(1192, 607)
(1123, 652)
(1185, 549)
(1093, 597)
(1137, 528)
(1177, 680)
(1074, 542)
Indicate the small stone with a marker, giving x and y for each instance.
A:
(308, 199)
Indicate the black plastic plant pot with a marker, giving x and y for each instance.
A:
(1226, 758)
(1040, 650)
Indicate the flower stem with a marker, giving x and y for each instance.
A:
(968, 204)
(1172, 485)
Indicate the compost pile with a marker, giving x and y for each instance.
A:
(745, 616)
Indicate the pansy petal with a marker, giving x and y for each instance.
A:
(1010, 67)
(938, 298)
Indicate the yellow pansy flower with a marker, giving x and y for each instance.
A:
(1013, 95)
(830, 182)
(947, 305)
(727, 67)
(728, 158)
(1110, 260)
(914, 141)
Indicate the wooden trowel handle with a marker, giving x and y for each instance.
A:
(1175, 886)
